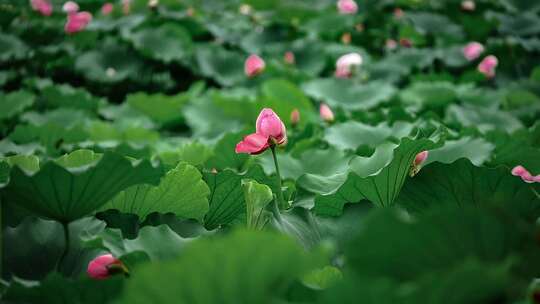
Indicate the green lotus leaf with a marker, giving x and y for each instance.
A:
(66, 194)
(352, 134)
(341, 93)
(167, 42)
(477, 150)
(12, 47)
(262, 280)
(181, 191)
(14, 103)
(227, 201)
(156, 243)
(462, 184)
(378, 178)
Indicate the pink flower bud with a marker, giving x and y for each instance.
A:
(103, 266)
(77, 22)
(473, 50)
(271, 126)
(487, 66)
(70, 7)
(270, 130)
(44, 7)
(346, 63)
(347, 7)
(254, 65)
(295, 117)
(468, 5)
(525, 175)
(421, 158)
(289, 57)
(107, 8)
(326, 113)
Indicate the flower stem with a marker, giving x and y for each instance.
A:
(65, 226)
(282, 203)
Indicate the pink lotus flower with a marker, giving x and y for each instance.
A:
(44, 7)
(107, 8)
(473, 50)
(326, 113)
(468, 5)
(346, 63)
(70, 7)
(77, 22)
(487, 66)
(254, 65)
(103, 266)
(289, 57)
(270, 131)
(525, 175)
(295, 117)
(421, 158)
(347, 7)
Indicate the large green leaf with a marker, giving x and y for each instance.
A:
(343, 93)
(485, 119)
(181, 191)
(226, 195)
(161, 108)
(156, 243)
(257, 197)
(477, 150)
(14, 103)
(463, 184)
(66, 194)
(225, 66)
(284, 97)
(66, 96)
(378, 178)
(167, 42)
(223, 270)
(12, 47)
(352, 134)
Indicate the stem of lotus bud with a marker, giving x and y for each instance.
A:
(282, 202)
(65, 226)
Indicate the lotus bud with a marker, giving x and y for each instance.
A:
(70, 7)
(488, 65)
(473, 50)
(326, 113)
(254, 65)
(347, 7)
(104, 266)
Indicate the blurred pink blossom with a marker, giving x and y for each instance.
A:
(347, 6)
(77, 22)
(254, 65)
(488, 65)
(44, 7)
(473, 50)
